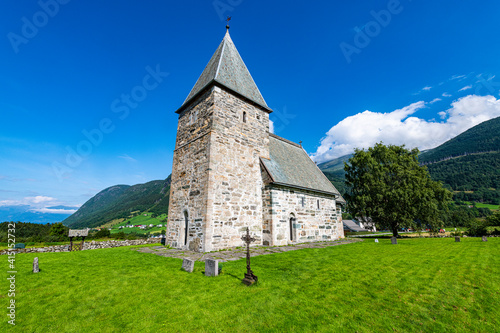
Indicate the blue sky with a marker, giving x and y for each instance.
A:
(339, 75)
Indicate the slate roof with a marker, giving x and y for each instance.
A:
(290, 165)
(226, 67)
(351, 225)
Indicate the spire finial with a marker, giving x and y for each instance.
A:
(227, 21)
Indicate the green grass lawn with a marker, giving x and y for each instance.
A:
(419, 285)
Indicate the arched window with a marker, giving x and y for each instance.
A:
(244, 117)
(186, 227)
(292, 222)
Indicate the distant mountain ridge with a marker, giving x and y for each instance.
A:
(119, 201)
(481, 138)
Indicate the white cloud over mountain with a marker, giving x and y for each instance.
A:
(399, 127)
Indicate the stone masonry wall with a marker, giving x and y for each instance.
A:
(188, 191)
(235, 182)
(312, 223)
(93, 245)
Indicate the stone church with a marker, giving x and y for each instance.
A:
(230, 173)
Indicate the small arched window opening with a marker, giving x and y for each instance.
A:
(186, 227)
(292, 222)
(244, 117)
(318, 203)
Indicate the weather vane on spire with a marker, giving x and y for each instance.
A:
(227, 21)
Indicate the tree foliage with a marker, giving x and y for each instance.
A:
(494, 220)
(387, 184)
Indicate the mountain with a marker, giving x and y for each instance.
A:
(468, 164)
(334, 171)
(119, 201)
(484, 137)
(335, 166)
(28, 213)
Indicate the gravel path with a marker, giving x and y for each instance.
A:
(240, 252)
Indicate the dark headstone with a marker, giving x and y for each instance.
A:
(485, 239)
(211, 267)
(457, 239)
(36, 269)
(188, 265)
(163, 241)
(19, 246)
(394, 240)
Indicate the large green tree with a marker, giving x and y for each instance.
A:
(387, 185)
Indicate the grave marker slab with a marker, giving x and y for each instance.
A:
(188, 265)
(457, 239)
(394, 240)
(485, 239)
(211, 267)
(376, 240)
(36, 268)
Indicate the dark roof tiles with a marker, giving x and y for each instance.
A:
(290, 165)
(227, 68)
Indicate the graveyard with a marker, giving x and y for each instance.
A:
(420, 284)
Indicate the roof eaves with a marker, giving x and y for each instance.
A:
(223, 86)
(336, 195)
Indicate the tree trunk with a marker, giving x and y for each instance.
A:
(395, 232)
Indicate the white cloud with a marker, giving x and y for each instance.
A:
(54, 211)
(38, 199)
(435, 100)
(10, 203)
(398, 127)
(427, 88)
(446, 95)
(127, 158)
(271, 126)
(466, 88)
(456, 77)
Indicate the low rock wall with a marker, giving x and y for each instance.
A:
(92, 245)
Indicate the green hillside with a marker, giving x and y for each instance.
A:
(334, 171)
(335, 166)
(119, 201)
(484, 137)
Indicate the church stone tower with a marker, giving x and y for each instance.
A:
(222, 133)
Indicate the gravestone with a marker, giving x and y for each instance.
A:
(20, 246)
(394, 240)
(163, 241)
(36, 269)
(211, 267)
(188, 265)
(457, 239)
(485, 239)
(376, 240)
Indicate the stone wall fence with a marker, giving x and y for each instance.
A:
(93, 245)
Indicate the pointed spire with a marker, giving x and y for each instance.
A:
(226, 67)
